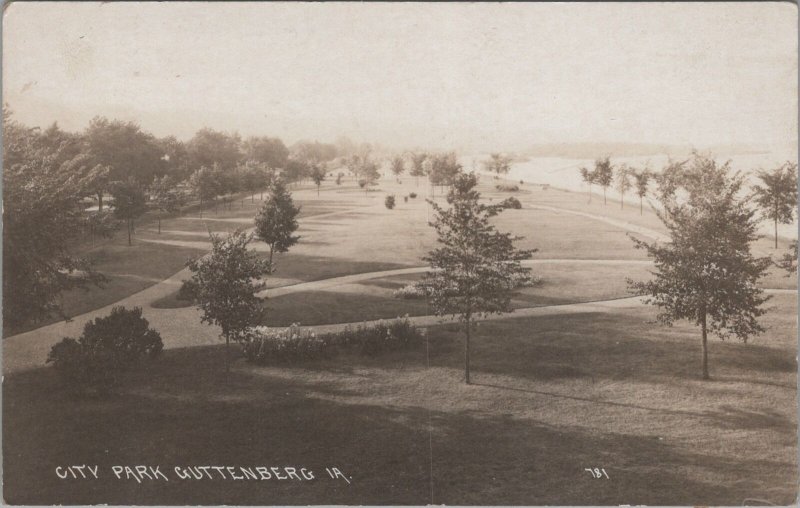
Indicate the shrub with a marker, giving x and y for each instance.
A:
(412, 195)
(108, 347)
(525, 280)
(362, 183)
(521, 182)
(405, 199)
(507, 188)
(410, 292)
(512, 202)
(339, 178)
(389, 201)
(293, 344)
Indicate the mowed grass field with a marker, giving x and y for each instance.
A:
(552, 395)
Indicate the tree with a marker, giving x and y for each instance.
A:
(318, 175)
(129, 202)
(603, 175)
(204, 185)
(209, 147)
(42, 213)
(706, 273)
(443, 168)
(175, 158)
(497, 163)
(417, 169)
(269, 151)
(641, 180)
(276, 221)
(224, 285)
(473, 271)
(398, 167)
(314, 151)
(777, 194)
(165, 196)
(126, 150)
(623, 182)
(589, 178)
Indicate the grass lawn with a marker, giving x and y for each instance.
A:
(552, 396)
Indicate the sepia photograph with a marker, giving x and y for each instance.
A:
(405, 254)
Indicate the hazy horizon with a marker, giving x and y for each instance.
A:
(470, 77)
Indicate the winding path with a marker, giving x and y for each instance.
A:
(182, 327)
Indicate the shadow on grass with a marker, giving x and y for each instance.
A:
(184, 410)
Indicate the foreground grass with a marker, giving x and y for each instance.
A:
(553, 395)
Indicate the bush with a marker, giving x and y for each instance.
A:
(513, 203)
(521, 182)
(389, 201)
(412, 195)
(410, 292)
(108, 347)
(405, 199)
(293, 344)
(339, 178)
(507, 188)
(525, 280)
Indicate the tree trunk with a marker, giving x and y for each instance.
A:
(227, 360)
(604, 196)
(317, 190)
(99, 201)
(159, 224)
(271, 249)
(590, 193)
(129, 233)
(466, 350)
(262, 194)
(776, 232)
(641, 205)
(622, 201)
(201, 208)
(705, 347)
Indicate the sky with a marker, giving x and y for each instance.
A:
(461, 76)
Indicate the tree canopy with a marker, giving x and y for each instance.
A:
(706, 273)
(475, 268)
(776, 195)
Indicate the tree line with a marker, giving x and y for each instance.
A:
(51, 177)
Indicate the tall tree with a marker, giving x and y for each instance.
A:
(270, 151)
(474, 269)
(497, 163)
(129, 202)
(588, 177)
(165, 196)
(603, 175)
(209, 147)
(706, 273)
(777, 194)
(641, 180)
(224, 285)
(42, 213)
(623, 182)
(125, 149)
(276, 221)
